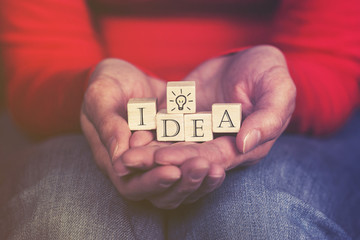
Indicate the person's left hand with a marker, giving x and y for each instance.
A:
(257, 78)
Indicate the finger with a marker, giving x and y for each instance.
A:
(104, 113)
(271, 111)
(141, 138)
(221, 150)
(114, 134)
(259, 127)
(213, 180)
(155, 181)
(100, 153)
(193, 173)
(141, 158)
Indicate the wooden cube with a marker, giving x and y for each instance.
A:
(181, 97)
(198, 127)
(226, 117)
(170, 127)
(142, 113)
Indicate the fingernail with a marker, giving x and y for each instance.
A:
(114, 146)
(167, 183)
(214, 179)
(123, 173)
(198, 174)
(170, 181)
(133, 164)
(251, 140)
(120, 169)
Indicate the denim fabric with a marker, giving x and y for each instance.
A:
(306, 188)
(57, 192)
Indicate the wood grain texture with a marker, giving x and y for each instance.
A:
(226, 117)
(142, 113)
(198, 127)
(170, 127)
(181, 97)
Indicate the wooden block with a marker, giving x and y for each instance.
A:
(198, 127)
(170, 127)
(142, 113)
(226, 117)
(180, 97)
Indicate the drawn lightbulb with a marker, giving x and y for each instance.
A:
(180, 101)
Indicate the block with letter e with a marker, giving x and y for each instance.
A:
(170, 127)
(198, 127)
(226, 117)
(142, 113)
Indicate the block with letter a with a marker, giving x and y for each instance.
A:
(226, 117)
(170, 127)
(142, 113)
(198, 127)
(180, 97)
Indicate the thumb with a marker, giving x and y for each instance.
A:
(259, 127)
(104, 113)
(115, 134)
(270, 115)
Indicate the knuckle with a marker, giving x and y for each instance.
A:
(92, 96)
(185, 190)
(192, 200)
(276, 122)
(171, 205)
(134, 198)
(130, 195)
(103, 124)
(92, 91)
(265, 48)
(165, 205)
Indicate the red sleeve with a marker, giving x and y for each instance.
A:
(48, 48)
(321, 41)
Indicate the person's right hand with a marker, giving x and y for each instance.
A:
(103, 121)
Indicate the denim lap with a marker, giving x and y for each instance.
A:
(306, 188)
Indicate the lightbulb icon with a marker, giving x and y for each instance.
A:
(180, 101)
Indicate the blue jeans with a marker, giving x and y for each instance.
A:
(306, 188)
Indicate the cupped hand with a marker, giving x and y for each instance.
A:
(103, 121)
(259, 79)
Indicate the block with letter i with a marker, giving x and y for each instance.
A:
(198, 127)
(170, 127)
(226, 117)
(180, 97)
(142, 113)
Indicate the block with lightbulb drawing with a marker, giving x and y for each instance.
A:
(181, 97)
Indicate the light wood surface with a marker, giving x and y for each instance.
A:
(142, 113)
(181, 97)
(226, 117)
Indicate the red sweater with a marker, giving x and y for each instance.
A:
(48, 48)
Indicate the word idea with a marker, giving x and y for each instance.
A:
(180, 121)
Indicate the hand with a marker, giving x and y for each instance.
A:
(259, 79)
(198, 176)
(103, 122)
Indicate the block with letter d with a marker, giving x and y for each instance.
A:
(170, 127)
